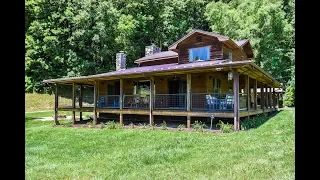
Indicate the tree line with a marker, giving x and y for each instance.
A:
(66, 38)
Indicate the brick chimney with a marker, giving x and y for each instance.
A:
(152, 49)
(120, 61)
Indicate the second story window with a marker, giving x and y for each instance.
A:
(201, 53)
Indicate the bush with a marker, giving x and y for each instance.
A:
(68, 124)
(181, 127)
(225, 128)
(153, 126)
(253, 123)
(289, 97)
(199, 126)
(131, 125)
(102, 125)
(111, 125)
(164, 126)
(144, 125)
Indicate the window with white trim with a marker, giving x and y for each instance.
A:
(201, 53)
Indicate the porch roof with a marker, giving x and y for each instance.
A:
(244, 67)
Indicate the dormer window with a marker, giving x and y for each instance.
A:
(198, 54)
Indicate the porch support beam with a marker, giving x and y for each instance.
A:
(255, 94)
(121, 101)
(95, 100)
(80, 102)
(274, 98)
(188, 92)
(262, 97)
(267, 97)
(278, 93)
(236, 100)
(188, 99)
(151, 118)
(247, 90)
(270, 97)
(56, 98)
(73, 103)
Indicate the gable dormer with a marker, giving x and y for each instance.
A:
(201, 45)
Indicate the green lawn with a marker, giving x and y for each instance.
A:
(35, 115)
(78, 153)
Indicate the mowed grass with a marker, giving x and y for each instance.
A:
(42, 102)
(80, 153)
(36, 115)
(38, 102)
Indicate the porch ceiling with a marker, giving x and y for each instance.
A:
(244, 67)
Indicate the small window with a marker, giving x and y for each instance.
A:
(201, 53)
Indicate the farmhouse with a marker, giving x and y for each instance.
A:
(202, 74)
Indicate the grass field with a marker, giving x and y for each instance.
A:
(78, 153)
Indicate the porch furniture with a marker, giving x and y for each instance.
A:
(101, 102)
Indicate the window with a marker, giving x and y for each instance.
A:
(201, 53)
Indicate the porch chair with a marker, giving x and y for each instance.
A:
(229, 101)
(210, 101)
(101, 102)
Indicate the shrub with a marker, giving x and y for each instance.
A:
(131, 125)
(102, 125)
(144, 125)
(225, 128)
(119, 126)
(68, 124)
(198, 126)
(253, 123)
(181, 127)
(111, 125)
(89, 117)
(153, 126)
(164, 126)
(289, 97)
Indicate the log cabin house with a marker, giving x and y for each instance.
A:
(202, 74)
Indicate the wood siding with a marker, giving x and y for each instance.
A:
(236, 54)
(161, 85)
(158, 62)
(128, 86)
(191, 42)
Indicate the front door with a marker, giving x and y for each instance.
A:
(177, 90)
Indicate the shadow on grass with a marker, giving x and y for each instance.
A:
(257, 121)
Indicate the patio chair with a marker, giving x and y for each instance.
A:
(229, 101)
(101, 102)
(210, 101)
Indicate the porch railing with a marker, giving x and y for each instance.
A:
(109, 101)
(170, 101)
(136, 101)
(216, 101)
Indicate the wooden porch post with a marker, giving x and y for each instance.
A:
(121, 101)
(188, 99)
(274, 98)
(188, 121)
(80, 102)
(278, 93)
(236, 100)
(270, 97)
(267, 97)
(262, 97)
(73, 103)
(56, 98)
(255, 94)
(247, 90)
(95, 100)
(151, 118)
